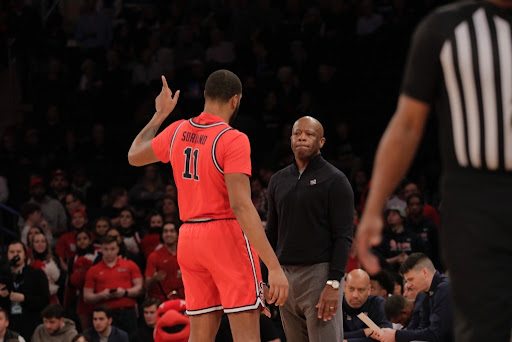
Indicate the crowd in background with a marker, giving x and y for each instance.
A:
(87, 73)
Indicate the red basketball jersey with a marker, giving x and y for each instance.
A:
(201, 150)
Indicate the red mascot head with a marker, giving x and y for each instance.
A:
(172, 324)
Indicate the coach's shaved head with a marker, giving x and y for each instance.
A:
(307, 139)
(314, 123)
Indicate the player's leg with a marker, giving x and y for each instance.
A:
(245, 326)
(203, 328)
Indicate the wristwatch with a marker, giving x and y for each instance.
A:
(334, 284)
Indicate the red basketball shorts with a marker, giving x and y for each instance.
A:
(220, 270)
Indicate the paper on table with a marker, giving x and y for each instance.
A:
(368, 321)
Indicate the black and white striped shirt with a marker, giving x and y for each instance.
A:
(461, 63)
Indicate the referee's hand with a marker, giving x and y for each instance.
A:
(278, 287)
(369, 234)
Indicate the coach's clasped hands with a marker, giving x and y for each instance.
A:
(278, 288)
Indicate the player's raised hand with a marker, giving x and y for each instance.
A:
(369, 234)
(278, 287)
(165, 101)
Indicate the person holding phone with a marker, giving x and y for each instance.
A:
(114, 282)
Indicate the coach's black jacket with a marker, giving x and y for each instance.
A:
(310, 216)
(436, 321)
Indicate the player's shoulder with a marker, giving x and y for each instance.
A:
(234, 133)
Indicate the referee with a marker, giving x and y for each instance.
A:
(460, 65)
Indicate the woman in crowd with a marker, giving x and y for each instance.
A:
(42, 258)
(99, 229)
(86, 256)
(129, 231)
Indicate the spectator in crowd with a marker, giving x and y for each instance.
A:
(308, 194)
(382, 284)
(103, 329)
(152, 238)
(436, 307)
(399, 311)
(93, 29)
(170, 209)
(66, 247)
(59, 185)
(8, 335)
(145, 330)
(32, 217)
(428, 210)
(398, 243)
(26, 292)
(163, 274)
(30, 237)
(421, 225)
(55, 327)
(123, 252)
(52, 209)
(358, 299)
(129, 231)
(41, 258)
(99, 230)
(74, 201)
(114, 202)
(114, 282)
(81, 338)
(150, 188)
(86, 256)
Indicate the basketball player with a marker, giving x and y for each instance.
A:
(211, 167)
(460, 64)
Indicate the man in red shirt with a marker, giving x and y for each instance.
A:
(163, 275)
(211, 168)
(114, 282)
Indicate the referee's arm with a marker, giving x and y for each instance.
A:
(394, 156)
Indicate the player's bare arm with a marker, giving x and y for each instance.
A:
(141, 152)
(394, 156)
(239, 191)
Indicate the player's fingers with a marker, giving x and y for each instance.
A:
(272, 294)
(279, 296)
(164, 83)
(176, 96)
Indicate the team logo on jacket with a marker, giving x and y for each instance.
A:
(312, 182)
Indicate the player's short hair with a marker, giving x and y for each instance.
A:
(394, 305)
(385, 280)
(103, 308)
(53, 311)
(222, 85)
(150, 302)
(417, 261)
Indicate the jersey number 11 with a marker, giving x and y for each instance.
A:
(188, 154)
